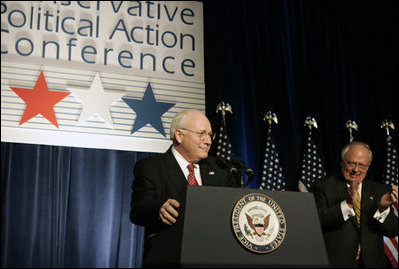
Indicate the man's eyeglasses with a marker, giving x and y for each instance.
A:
(361, 166)
(202, 135)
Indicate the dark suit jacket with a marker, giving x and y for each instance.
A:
(157, 179)
(342, 237)
(160, 177)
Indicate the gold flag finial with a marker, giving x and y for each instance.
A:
(310, 122)
(223, 108)
(351, 125)
(270, 117)
(387, 124)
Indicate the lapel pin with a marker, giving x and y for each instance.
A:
(371, 198)
(212, 173)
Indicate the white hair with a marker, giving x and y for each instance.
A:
(356, 143)
(178, 121)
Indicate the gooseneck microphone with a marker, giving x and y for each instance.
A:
(240, 165)
(226, 165)
(243, 168)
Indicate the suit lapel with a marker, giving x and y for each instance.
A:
(207, 173)
(368, 197)
(174, 172)
(204, 170)
(342, 188)
(342, 192)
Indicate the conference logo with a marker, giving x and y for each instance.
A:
(259, 223)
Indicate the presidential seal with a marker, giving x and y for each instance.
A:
(259, 223)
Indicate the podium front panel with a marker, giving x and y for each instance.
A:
(209, 240)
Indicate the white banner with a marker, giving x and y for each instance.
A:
(99, 74)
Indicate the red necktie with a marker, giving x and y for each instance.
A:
(191, 176)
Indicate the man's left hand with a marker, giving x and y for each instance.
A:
(389, 198)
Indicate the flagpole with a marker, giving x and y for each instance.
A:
(386, 124)
(223, 108)
(224, 148)
(270, 118)
(351, 125)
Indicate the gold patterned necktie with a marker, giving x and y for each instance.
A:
(191, 176)
(357, 208)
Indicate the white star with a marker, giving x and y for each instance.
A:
(96, 101)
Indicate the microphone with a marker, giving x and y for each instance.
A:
(240, 165)
(226, 165)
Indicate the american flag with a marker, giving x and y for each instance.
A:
(390, 177)
(224, 146)
(312, 167)
(272, 175)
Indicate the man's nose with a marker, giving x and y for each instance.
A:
(208, 140)
(356, 168)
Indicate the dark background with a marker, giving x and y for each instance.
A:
(334, 61)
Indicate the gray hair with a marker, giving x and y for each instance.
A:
(356, 143)
(178, 121)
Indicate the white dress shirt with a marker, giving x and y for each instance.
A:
(348, 212)
(183, 165)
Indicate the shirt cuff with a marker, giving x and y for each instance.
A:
(381, 216)
(347, 212)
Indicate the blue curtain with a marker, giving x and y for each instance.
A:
(67, 207)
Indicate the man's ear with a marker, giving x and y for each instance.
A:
(178, 135)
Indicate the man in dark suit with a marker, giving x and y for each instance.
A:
(160, 182)
(353, 229)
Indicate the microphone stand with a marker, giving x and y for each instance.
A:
(250, 178)
(242, 180)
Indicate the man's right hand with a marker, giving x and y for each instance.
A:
(168, 212)
(352, 193)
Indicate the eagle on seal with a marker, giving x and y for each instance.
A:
(258, 227)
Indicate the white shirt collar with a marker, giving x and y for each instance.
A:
(180, 159)
(183, 166)
(359, 189)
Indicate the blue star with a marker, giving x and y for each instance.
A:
(148, 110)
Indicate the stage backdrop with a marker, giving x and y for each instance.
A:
(99, 74)
(331, 60)
(87, 89)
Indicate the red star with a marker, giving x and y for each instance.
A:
(40, 100)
